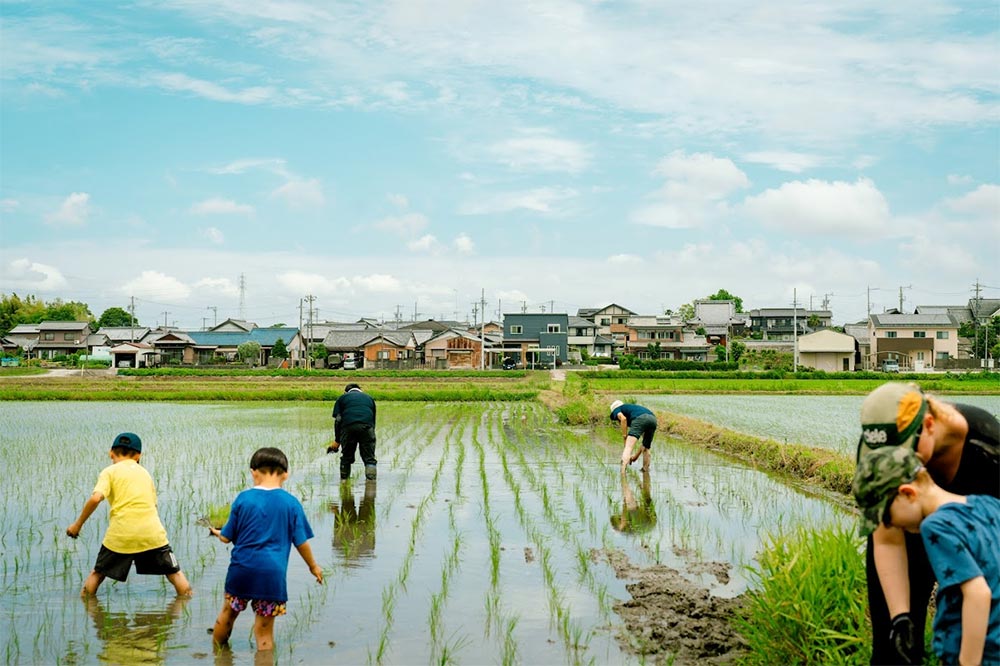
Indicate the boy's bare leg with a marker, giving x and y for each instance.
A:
(263, 631)
(224, 624)
(180, 583)
(90, 585)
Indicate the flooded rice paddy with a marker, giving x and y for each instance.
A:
(484, 540)
(815, 420)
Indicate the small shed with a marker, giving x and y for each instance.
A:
(827, 350)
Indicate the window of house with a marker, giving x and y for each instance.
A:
(890, 334)
(383, 355)
(942, 335)
(69, 337)
(605, 321)
(50, 336)
(920, 334)
(941, 356)
(552, 328)
(516, 329)
(920, 356)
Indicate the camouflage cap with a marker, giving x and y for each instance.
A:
(891, 415)
(878, 476)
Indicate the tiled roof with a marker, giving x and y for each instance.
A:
(909, 320)
(266, 337)
(62, 325)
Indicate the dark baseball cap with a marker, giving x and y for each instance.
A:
(129, 440)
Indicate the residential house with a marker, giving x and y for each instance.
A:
(536, 338)
(61, 337)
(390, 349)
(612, 322)
(917, 341)
(233, 326)
(780, 323)
(583, 339)
(119, 334)
(172, 346)
(25, 336)
(862, 343)
(454, 348)
(827, 350)
(648, 333)
(132, 355)
(209, 346)
(718, 319)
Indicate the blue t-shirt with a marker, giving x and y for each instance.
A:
(630, 411)
(962, 543)
(263, 526)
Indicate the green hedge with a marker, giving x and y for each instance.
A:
(302, 372)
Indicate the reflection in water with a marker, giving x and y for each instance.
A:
(354, 527)
(137, 639)
(635, 516)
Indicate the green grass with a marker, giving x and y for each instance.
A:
(22, 370)
(808, 601)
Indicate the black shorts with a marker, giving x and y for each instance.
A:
(156, 562)
(643, 426)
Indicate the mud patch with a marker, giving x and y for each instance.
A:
(670, 619)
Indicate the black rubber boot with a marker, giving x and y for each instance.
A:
(370, 472)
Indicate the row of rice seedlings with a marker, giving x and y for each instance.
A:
(391, 591)
(449, 567)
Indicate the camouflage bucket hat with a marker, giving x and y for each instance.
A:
(891, 415)
(877, 478)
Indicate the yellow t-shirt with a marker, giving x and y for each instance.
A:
(134, 524)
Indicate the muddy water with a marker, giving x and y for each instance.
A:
(478, 543)
(816, 420)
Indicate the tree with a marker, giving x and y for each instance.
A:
(15, 310)
(318, 350)
(279, 350)
(736, 350)
(116, 317)
(249, 352)
(813, 321)
(723, 295)
(720, 353)
(686, 311)
(68, 311)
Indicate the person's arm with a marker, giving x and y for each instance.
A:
(975, 619)
(307, 556)
(892, 565)
(89, 506)
(216, 532)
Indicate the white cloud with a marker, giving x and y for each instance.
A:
(223, 286)
(823, 207)
(984, 202)
(73, 211)
(959, 179)
(213, 235)
(543, 200)
(399, 201)
(302, 283)
(272, 164)
(177, 82)
(220, 206)
(426, 243)
(9, 205)
(785, 160)
(624, 259)
(694, 193)
(301, 193)
(463, 244)
(377, 283)
(26, 275)
(157, 286)
(538, 151)
(409, 224)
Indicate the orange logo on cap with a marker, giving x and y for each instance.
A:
(909, 407)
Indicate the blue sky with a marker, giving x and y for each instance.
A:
(412, 155)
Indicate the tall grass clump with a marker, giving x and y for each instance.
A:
(807, 601)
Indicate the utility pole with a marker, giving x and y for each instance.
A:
(300, 331)
(482, 331)
(164, 319)
(795, 330)
(826, 301)
(977, 288)
(909, 286)
(524, 307)
(131, 309)
(204, 323)
(475, 313)
(215, 315)
(309, 327)
(243, 294)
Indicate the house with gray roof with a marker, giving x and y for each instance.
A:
(62, 337)
(209, 345)
(916, 341)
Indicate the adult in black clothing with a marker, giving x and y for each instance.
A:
(354, 426)
(960, 447)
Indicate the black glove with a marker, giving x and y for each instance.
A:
(903, 639)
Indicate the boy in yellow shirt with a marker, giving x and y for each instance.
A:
(135, 533)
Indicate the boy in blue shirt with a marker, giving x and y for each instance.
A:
(264, 523)
(635, 421)
(961, 535)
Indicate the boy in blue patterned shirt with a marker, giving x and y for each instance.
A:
(961, 535)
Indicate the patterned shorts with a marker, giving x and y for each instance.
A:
(260, 606)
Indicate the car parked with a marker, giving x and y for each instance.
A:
(890, 366)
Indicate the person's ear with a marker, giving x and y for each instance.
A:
(908, 490)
